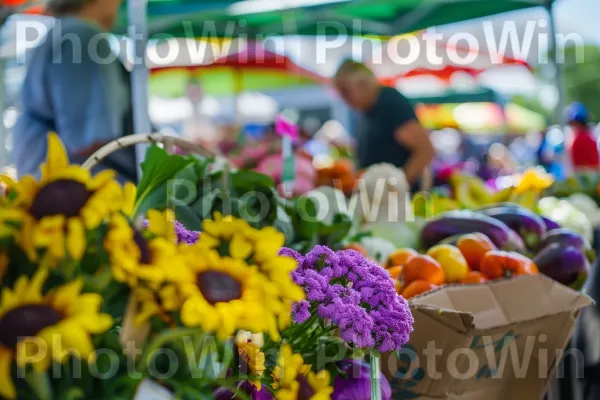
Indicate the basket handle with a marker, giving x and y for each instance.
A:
(168, 141)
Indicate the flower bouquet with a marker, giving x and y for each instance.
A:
(104, 294)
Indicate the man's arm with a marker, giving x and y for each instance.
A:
(414, 137)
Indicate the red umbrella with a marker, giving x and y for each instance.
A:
(254, 56)
(444, 73)
(389, 72)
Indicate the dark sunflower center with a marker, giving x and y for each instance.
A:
(218, 287)
(25, 321)
(62, 197)
(305, 391)
(142, 244)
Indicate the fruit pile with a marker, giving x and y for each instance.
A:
(474, 259)
(341, 174)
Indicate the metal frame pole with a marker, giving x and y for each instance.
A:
(558, 68)
(138, 32)
(3, 130)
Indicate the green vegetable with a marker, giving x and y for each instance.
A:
(567, 216)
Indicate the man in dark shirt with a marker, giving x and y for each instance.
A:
(390, 131)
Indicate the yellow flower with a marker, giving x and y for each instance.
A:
(66, 202)
(156, 302)
(261, 248)
(534, 180)
(252, 360)
(61, 322)
(160, 223)
(224, 294)
(292, 379)
(135, 259)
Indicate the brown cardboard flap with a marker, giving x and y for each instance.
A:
(492, 341)
(506, 302)
(455, 320)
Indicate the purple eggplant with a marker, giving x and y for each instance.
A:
(462, 222)
(550, 225)
(568, 237)
(564, 263)
(526, 223)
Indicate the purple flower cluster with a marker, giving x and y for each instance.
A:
(355, 294)
(184, 235)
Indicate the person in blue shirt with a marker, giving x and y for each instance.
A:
(76, 86)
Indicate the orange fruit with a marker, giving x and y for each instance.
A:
(395, 271)
(422, 267)
(417, 287)
(346, 184)
(398, 285)
(498, 264)
(474, 277)
(401, 256)
(342, 167)
(473, 247)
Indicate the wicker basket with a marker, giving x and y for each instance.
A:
(168, 142)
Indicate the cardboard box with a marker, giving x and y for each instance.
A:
(498, 340)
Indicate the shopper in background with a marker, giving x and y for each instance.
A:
(583, 147)
(390, 131)
(77, 87)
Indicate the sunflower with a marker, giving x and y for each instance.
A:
(65, 203)
(224, 294)
(64, 319)
(293, 380)
(138, 256)
(156, 302)
(261, 248)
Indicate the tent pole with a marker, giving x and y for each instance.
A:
(3, 130)
(558, 68)
(138, 33)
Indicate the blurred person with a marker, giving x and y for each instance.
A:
(583, 149)
(77, 87)
(390, 131)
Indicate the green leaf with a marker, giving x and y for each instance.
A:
(157, 169)
(244, 181)
(186, 215)
(283, 224)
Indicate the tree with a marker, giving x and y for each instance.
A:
(582, 77)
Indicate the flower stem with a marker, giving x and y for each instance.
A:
(375, 361)
(161, 340)
(39, 383)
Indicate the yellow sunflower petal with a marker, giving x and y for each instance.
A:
(101, 178)
(56, 158)
(129, 195)
(208, 240)
(7, 180)
(67, 295)
(7, 388)
(26, 189)
(77, 340)
(25, 238)
(75, 238)
(96, 323)
(239, 247)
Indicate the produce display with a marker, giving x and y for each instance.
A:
(211, 263)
